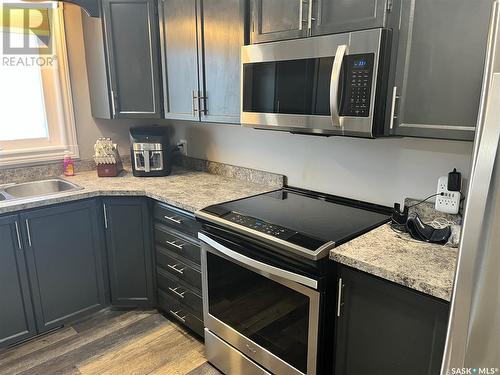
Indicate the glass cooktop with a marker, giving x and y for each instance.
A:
(307, 220)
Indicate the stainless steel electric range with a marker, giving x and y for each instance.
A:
(268, 287)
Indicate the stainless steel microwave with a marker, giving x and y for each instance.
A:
(325, 85)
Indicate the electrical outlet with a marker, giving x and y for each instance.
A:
(448, 201)
(182, 146)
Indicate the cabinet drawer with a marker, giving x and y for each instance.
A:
(177, 219)
(180, 292)
(177, 243)
(180, 313)
(177, 268)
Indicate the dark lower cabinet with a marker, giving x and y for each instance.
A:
(130, 251)
(17, 321)
(384, 328)
(63, 251)
(178, 273)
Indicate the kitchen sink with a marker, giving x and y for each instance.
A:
(36, 189)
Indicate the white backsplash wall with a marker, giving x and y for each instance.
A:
(381, 171)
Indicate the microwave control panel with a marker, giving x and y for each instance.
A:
(358, 85)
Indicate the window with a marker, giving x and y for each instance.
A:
(36, 110)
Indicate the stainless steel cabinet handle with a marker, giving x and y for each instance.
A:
(301, 14)
(335, 83)
(179, 294)
(105, 215)
(28, 231)
(174, 267)
(395, 97)
(113, 106)
(310, 17)
(172, 218)
(339, 300)
(176, 314)
(203, 99)
(172, 243)
(194, 99)
(18, 236)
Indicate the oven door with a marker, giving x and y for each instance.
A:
(326, 84)
(269, 314)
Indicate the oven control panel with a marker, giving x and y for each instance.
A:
(260, 225)
(358, 85)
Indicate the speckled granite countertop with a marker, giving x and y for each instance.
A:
(186, 189)
(428, 268)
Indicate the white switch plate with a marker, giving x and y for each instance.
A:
(449, 202)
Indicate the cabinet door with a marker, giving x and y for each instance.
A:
(17, 321)
(64, 257)
(130, 251)
(221, 59)
(133, 61)
(179, 49)
(387, 329)
(337, 16)
(273, 20)
(441, 53)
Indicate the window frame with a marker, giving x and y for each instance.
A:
(60, 112)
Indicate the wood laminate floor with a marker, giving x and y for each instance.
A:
(111, 342)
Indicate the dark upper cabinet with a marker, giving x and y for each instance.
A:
(17, 321)
(384, 328)
(201, 59)
(273, 20)
(130, 251)
(338, 16)
(123, 60)
(440, 62)
(179, 52)
(64, 257)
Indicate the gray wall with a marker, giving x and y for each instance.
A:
(381, 171)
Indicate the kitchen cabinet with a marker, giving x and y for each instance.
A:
(338, 16)
(130, 251)
(201, 58)
(123, 60)
(17, 320)
(273, 20)
(441, 52)
(384, 328)
(64, 249)
(178, 273)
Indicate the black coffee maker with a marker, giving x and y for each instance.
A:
(150, 151)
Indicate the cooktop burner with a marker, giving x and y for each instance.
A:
(301, 221)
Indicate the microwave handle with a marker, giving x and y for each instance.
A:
(335, 83)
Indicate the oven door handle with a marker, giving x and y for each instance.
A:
(263, 268)
(335, 83)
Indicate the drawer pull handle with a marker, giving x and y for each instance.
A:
(174, 267)
(174, 219)
(176, 314)
(174, 244)
(179, 294)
